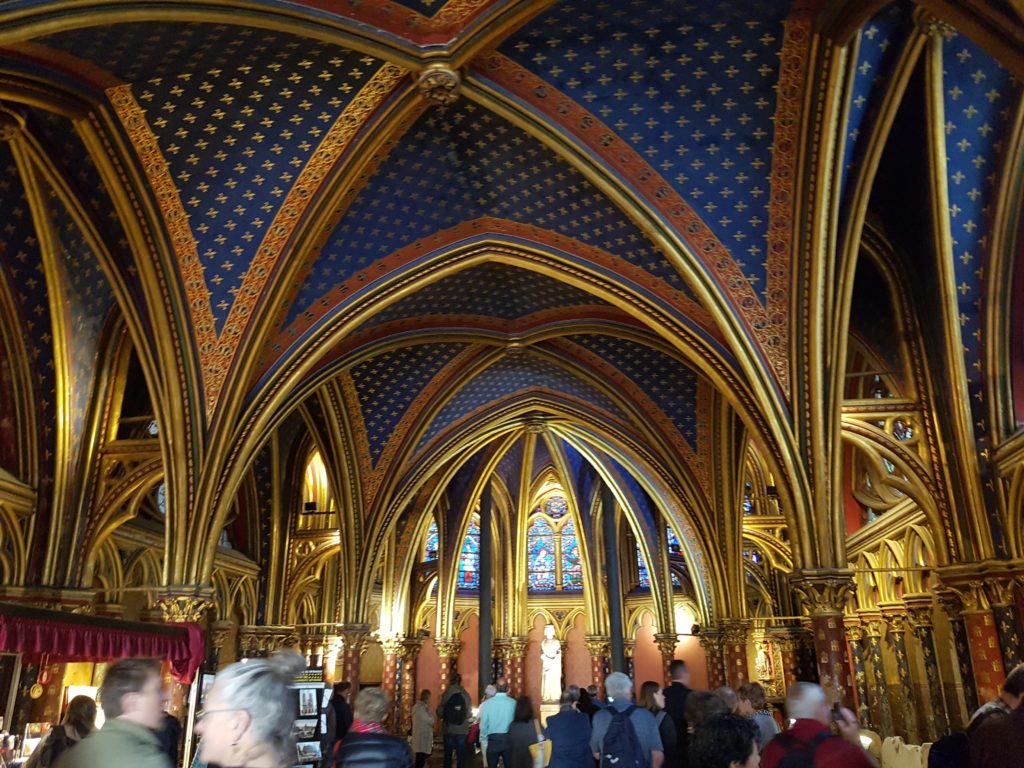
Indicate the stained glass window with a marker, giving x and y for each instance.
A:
(433, 543)
(540, 548)
(674, 547)
(469, 558)
(161, 498)
(556, 506)
(645, 579)
(748, 503)
(572, 567)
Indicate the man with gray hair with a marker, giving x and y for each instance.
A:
(810, 736)
(622, 729)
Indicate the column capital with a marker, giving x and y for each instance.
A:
(734, 631)
(854, 629)
(666, 643)
(185, 604)
(598, 645)
(931, 26)
(711, 641)
(895, 616)
(353, 637)
(824, 592)
(872, 622)
(265, 639)
(919, 612)
(393, 645)
(447, 647)
(411, 648)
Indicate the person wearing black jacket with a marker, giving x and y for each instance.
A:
(675, 705)
(367, 744)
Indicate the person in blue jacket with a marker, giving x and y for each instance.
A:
(568, 734)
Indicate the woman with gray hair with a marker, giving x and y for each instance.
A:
(246, 720)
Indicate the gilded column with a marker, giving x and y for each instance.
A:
(881, 711)
(788, 645)
(734, 653)
(353, 642)
(713, 645)
(919, 612)
(855, 636)
(599, 648)
(950, 602)
(983, 641)
(895, 618)
(408, 693)
(447, 659)
(393, 648)
(500, 668)
(515, 664)
(825, 596)
(1002, 599)
(667, 646)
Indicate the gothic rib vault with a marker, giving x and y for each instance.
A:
(755, 268)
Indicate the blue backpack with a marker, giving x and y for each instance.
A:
(620, 747)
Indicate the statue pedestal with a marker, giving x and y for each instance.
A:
(546, 710)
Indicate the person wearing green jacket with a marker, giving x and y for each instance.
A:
(132, 697)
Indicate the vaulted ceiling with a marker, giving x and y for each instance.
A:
(443, 220)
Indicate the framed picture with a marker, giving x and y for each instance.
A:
(304, 730)
(308, 751)
(307, 702)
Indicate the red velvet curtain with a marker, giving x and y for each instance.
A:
(69, 637)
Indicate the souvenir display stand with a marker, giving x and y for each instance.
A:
(310, 728)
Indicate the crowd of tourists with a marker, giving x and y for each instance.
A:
(246, 723)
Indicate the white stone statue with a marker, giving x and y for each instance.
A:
(551, 674)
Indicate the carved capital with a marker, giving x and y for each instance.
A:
(1000, 592)
(824, 594)
(950, 603)
(220, 631)
(411, 649)
(871, 621)
(734, 632)
(854, 631)
(895, 617)
(439, 84)
(448, 648)
(666, 644)
(393, 645)
(598, 646)
(711, 642)
(353, 638)
(515, 648)
(185, 606)
(265, 640)
(919, 612)
(931, 25)
(629, 648)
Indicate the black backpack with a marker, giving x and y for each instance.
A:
(620, 747)
(454, 712)
(799, 754)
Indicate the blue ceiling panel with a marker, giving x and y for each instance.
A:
(980, 100)
(668, 382)
(512, 375)
(388, 383)
(690, 86)
(490, 290)
(460, 165)
(237, 113)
